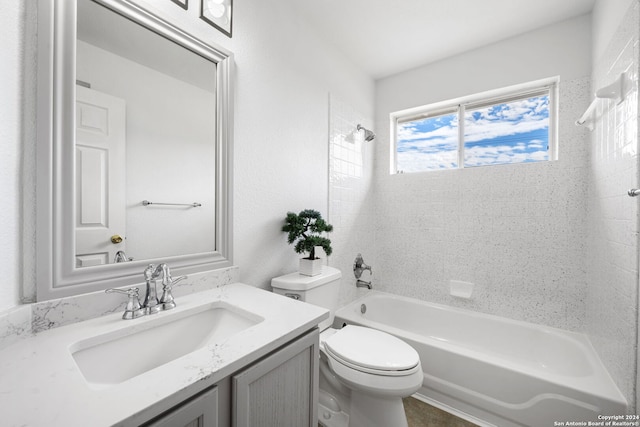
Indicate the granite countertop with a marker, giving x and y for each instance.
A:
(41, 385)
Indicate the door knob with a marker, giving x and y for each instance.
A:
(115, 239)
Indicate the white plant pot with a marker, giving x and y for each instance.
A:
(310, 267)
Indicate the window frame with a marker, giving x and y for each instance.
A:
(548, 86)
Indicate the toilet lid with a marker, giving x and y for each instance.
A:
(371, 349)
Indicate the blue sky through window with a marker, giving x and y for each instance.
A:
(428, 144)
(511, 132)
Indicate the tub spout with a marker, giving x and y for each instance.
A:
(363, 284)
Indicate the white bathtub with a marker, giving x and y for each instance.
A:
(493, 370)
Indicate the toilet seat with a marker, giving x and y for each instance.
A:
(371, 351)
(362, 359)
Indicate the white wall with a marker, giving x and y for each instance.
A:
(11, 116)
(563, 47)
(516, 231)
(282, 122)
(284, 73)
(612, 251)
(607, 16)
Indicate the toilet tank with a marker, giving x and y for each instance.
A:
(321, 290)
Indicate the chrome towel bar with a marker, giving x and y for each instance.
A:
(193, 205)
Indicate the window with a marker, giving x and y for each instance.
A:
(513, 125)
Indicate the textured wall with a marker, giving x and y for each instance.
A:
(607, 16)
(612, 255)
(11, 88)
(516, 231)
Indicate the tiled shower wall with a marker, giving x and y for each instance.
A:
(612, 273)
(350, 213)
(516, 231)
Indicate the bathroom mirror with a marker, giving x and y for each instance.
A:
(134, 135)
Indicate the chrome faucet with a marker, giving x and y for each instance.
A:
(358, 268)
(121, 257)
(151, 304)
(166, 301)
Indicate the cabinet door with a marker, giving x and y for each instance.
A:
(201, 411)
(281, 389)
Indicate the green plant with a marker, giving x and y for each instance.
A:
(306, 228)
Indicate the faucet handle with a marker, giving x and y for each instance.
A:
(166, 300)
(133, 309)
(359, 266)
(171, 281)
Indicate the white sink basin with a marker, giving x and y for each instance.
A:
(152, 341)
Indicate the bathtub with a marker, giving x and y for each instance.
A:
(492, 370)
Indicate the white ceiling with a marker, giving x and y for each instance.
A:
(389, 36)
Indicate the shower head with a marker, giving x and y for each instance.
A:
(368, 135)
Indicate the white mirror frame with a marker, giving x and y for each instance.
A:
(56, 273)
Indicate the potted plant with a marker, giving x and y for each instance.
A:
(305, 230)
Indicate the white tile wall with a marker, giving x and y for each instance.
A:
(350, 212)
(612, 297)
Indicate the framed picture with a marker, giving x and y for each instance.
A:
(182, 3)
(218, 14)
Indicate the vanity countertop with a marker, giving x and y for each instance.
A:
(40, 384)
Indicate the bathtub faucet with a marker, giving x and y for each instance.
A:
(363, 284)
(358, 268)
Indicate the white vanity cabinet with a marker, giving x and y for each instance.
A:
(264, 374)
(280, 389)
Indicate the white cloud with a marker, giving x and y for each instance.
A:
(418, 162)
(481, 155)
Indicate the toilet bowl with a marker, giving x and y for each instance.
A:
(364, 373)
(374, 370)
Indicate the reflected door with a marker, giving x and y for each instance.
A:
(100, 177)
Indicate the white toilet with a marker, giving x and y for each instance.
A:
(364, 373)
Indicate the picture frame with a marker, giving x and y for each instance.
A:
(182, 3)
(218, 13)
